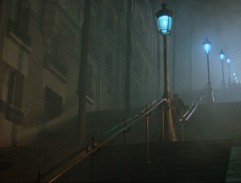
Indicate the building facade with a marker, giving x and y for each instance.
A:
(40, 45)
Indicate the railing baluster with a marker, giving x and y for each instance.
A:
(91, 169)
(39, 177)
(92, 162)
(163, 125)
(147, 139)
(125, 152)
(182, 131)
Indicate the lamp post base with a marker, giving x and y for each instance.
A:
(168, 131)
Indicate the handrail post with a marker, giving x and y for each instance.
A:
(92, 161)
(163, 124)
(147, 139)
(125, 153)
(182, 131)
(39, 176)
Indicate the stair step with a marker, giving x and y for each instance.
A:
(171, 162)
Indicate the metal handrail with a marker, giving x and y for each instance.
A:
(156, 102)
(185, 117)
(195, 104)
(90, 149)
(132, 120)
(123, 127)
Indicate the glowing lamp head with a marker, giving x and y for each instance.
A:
(228, 60)
(221, 55)
(164, 20)
(207, 46)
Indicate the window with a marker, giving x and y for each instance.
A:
(52, 51)
(53, 104)
(19, 25)
(54, 47)
(15, 89)
(22, 9)
(53, 58)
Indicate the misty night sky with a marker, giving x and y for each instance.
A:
(220, 22)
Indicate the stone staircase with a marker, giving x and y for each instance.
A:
(197, 161)
(203, 157)
(215, 121)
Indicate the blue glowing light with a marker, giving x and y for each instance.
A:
(207, 46)
(164, 24)
(164, 20)
(228, 60)
(221, 54)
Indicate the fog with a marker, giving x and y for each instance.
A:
(194, 20)
(73, 72)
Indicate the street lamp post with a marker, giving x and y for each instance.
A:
(221, 55)
(164, 20)
(207, 49)
(229, 78)
(234, 78)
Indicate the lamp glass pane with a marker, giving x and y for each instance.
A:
(207, 47)
(164, 24)
(221, 56)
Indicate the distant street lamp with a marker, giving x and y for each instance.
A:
(235, 79)
(164, 21)
(234, 75)
(221, 55)
(207, 49)
(229, 78)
